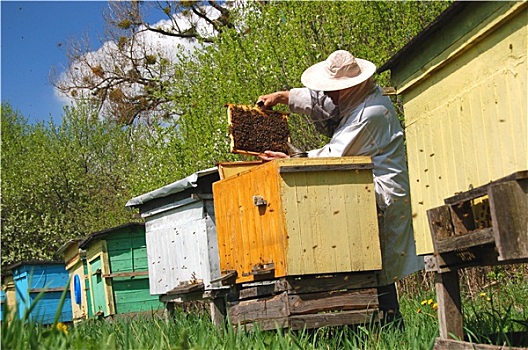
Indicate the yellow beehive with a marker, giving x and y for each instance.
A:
(463, 86)
(298, 216)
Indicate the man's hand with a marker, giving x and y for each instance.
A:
(270, 155)
(270, 100)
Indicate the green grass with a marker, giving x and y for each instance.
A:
(490, 315)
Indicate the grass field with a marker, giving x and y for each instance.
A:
(498, 308)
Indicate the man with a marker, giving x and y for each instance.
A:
(341, 94)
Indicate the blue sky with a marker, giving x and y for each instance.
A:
(32, 33)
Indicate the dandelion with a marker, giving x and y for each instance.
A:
(419, 311)
(482, 294)
(435, 306)
(430, 301)
(423, 302)
(62, 327)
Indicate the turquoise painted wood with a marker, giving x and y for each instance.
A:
(117, 267)
(42, 277)
(128, 253)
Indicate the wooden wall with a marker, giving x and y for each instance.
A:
(465, 103)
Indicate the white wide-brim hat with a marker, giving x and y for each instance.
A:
(339, 71)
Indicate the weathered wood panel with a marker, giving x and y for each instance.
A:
(509, 210)
(305, 310)
(450, 344)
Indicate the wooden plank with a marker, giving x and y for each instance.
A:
(482, 190)
(108, 289)
(274, 307)
(451, 344)
(187, 288)
(462, 218)
(440, 223)
(333, 301)
(324, 167)
(333, 319)
(462, 258)
(218, 311)
(481, 237)
(509, 212)
(313, 284)
(449, 305)
(228, 169)
(304, 284)
(125, 274)
(46, 290)
(227, 277)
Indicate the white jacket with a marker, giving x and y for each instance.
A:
(373, 129)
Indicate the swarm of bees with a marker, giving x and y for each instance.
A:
(253, 130)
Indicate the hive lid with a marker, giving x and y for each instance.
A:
(228, 169)
(175, 187)
(253, 130)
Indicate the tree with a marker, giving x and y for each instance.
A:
(127, 78)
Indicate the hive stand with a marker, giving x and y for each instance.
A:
(484, 226)
(305, 302)
(215, 298)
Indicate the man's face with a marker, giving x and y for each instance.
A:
(334, 96)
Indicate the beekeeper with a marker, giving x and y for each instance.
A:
(341, 94)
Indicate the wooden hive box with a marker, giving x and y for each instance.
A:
(9, 303)
(181, 235)
(463, 86)
(50, 278)
(116, 260)
(296, 217)
(79, 281)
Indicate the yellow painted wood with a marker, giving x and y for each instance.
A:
(8, 285)
(319, 221)
(336, 229)
(109, 292)
(74, 265)
(466, 122)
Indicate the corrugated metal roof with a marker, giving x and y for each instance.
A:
(175, 187)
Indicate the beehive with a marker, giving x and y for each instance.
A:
(180, 233)
(117, 270)
(463, 86)
(79, 281)
(39, 287)
(298, 216)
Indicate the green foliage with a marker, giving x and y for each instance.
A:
(268, 51)
(499, 310)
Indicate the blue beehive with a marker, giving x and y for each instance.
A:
(50, 278)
